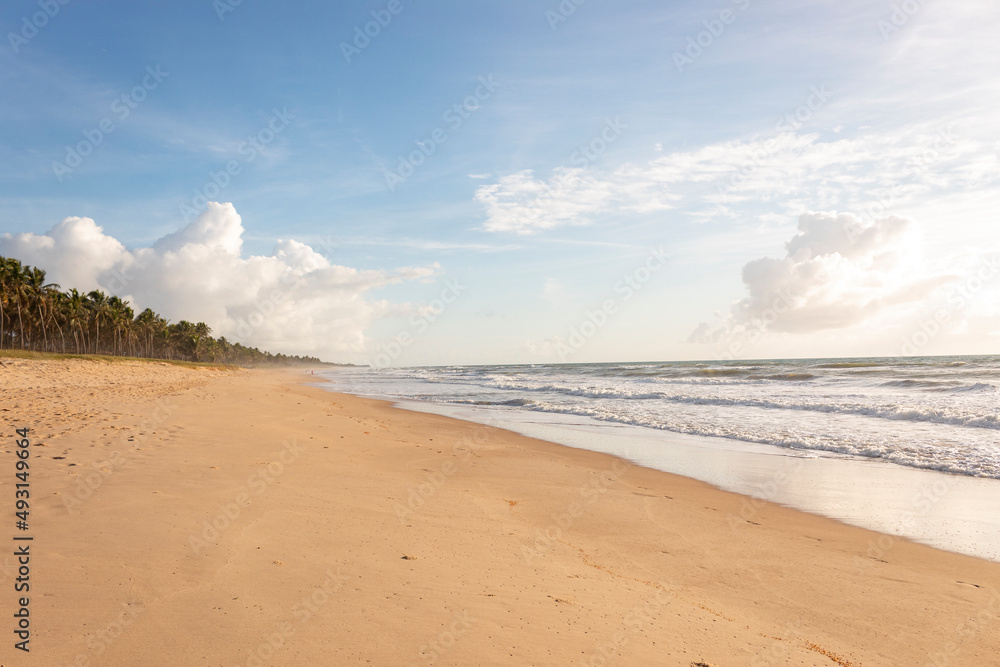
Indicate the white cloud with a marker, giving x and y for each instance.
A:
(838, 271)
(520, 204)
(293, 300)
(784, 172)
(92, 252)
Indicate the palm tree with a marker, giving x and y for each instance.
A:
(149, 325)
(58, 310)
(40, 305)
(98, 305)
(120, 318)
(39, 292)
(5, 280)
(144, 325)
(17, 289)
(76, 313)
(202, 335)
(165, 343)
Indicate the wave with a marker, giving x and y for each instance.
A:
(979, 386)
(723, 371)
(885, 410)
(850, 364)
(930, 413)
(979, 463)
(942, 385)
(516, 381)
(929, 384)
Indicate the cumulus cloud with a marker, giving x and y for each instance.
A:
(293, 300)
(92, 252)
(838, 271)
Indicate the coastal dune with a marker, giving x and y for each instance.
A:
(198, 516)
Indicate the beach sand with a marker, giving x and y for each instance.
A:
(214, 517)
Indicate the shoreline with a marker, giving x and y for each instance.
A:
(513, 551)
(944, 510)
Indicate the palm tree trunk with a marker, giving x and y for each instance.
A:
(21, 324)
(41, 320)
(62, 337)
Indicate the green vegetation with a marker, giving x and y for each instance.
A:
(104, 358)
(36, 316)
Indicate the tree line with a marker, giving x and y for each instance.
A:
(37, 315)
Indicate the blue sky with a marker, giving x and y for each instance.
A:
(870, 121)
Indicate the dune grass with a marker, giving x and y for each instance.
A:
(57, 356)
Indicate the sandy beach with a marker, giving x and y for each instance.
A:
(191, 516)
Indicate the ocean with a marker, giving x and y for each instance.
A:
(903, 446)
(938, 413)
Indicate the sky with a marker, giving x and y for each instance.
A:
(510, 181)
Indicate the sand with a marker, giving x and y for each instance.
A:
(214, 517)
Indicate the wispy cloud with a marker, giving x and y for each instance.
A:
(421, 244)
(788, 171)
